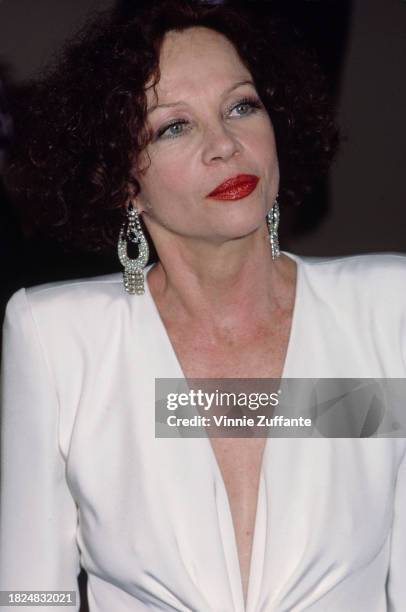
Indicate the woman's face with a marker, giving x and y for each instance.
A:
(208, 125)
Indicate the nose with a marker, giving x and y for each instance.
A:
(219, 144)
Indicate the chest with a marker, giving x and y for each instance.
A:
(260, 354)
(240, 461)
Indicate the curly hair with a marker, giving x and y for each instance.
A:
(79, 127)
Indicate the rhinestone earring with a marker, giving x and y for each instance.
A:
(272, 219)
(131, 231)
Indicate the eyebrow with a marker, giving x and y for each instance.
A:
(171, 104)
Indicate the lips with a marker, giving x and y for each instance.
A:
(235, 188)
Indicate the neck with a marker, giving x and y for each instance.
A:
(221, 286)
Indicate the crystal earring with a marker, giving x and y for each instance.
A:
(272, 219)
(131, 231)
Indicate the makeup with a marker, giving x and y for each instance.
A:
(235, 188)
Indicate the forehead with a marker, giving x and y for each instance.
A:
(194, 60)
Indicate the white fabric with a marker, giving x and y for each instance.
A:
(83, 471)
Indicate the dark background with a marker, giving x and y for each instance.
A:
(361, 207)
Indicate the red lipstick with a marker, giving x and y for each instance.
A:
(235, 188)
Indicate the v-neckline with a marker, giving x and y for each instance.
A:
(178, 371)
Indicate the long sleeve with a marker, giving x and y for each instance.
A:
(396, 584)
(38, 516)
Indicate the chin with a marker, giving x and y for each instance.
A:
(245, 222)
(236, 231)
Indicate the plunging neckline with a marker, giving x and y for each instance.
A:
(242, 606)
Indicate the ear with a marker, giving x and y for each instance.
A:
(135, 198)
(139, 205)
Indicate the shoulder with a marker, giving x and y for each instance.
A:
(74, 289)
(81, 302)
(359, 304)
(381, 275)
(364, 291)
(358, 265)
(76, 322)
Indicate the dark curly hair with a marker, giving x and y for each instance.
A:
(80, 126)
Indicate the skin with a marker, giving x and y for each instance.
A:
(216, 144)
(226, 305)
(194, 235)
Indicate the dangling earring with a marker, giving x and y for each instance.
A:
(272, 219)
(131, 231)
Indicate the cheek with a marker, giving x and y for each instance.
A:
(164, 187)
(260, 142)
(263, 150)
(167, 174)
(270, 160)
(266, 146)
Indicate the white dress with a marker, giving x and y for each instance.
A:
(85, 481)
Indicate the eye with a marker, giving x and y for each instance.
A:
(246, 106)
(173, 130)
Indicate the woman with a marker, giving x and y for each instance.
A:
(203, 524)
